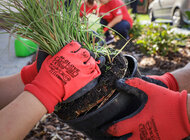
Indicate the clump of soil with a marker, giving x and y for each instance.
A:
(101, 92)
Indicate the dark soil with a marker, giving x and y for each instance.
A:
(51, 128)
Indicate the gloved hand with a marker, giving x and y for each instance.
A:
(167, 80)
(161, 115)
(63, 74)
(105, 29)
(28, 73)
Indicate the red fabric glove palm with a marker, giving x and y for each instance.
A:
(63, 74)
(105, 29)
(28, 73)
(162, 114)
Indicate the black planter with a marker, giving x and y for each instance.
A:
(132, 66)
(118, 106)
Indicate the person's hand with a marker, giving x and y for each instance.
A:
(167, 80)
(161, 115)
(29, 72)
(105, 30)
(63, 74)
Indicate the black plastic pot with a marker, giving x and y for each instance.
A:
(118, 106)
(132, 66)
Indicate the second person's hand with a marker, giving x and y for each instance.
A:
(162, 114)
(63, 74)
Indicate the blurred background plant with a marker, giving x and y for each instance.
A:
(136, 31)
(159, 39)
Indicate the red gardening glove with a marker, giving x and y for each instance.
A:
(161, 115)
(105, 29)
(28, 73)
(168, 79)
(63, 74)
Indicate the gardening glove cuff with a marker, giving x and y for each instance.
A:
(28, 73)
(168, 79)
(63, 74)
(161, 110)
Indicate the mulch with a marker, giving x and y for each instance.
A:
(157, 64)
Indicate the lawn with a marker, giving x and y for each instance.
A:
(141, 17)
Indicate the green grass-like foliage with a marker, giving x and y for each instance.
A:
(49, 23)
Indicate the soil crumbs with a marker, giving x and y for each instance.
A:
(50, 128)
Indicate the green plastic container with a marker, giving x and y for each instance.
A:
(24, 47)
